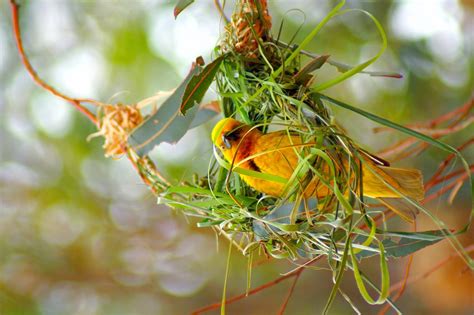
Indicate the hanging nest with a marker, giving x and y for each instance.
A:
(293, 226)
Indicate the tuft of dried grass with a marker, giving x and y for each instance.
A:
(115, 123)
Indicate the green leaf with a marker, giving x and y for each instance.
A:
(362, 66)
(390, 124)
(434, 235)
(311, 66)
(199, 84)
(167, 124)
(208, 223)
(408, 244)
(177, 114)
(202, 116)
(180, 6)
(278, 217)
(384, 273)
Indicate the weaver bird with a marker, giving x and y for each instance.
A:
(276, 153)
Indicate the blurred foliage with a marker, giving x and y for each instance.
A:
(80, 234)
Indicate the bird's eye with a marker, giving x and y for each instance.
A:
(226, 142)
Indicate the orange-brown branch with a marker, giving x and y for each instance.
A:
(460, 111)
(440, 264)
(239, 297)
(435, 179)
(290, 293)
(458, 123)
(34, 75)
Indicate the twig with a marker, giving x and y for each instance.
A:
(244, 295)
(239, 297)
(290, 292)
(16, 30)
(438, 133)
(463, 110)
(445, 163)
(397, 147)
(219, 7)
(447, 177)
(418, 277)
(458, 124)
(446, 188)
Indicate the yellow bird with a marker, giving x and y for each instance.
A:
(275, 153)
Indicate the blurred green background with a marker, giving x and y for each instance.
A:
(81, 234)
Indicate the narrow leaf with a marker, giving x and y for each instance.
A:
(384, 273)
(311, 66)
(180, 6)
(202, 116)
(390, 124)
(167, 124)
(408, 244)
(198, 85)
(362, 66)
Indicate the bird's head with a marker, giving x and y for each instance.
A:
(227, 133)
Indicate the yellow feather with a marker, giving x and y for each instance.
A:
(276, 153)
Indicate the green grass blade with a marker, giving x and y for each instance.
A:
(391, 124)
(227, 271)
(339, 275)
(361, 66)
(385, 275)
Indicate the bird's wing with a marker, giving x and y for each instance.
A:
(275, 153)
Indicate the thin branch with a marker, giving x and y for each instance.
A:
(424, 275)
(397, 147)
(438, 133)
(290, 292)
(34, 75)
(449, 176)
(244, 295)
(433, 180)
(295, 273)
(435, 133)
(428, 128)
(219, 7)
(446, 188)
(462, 111)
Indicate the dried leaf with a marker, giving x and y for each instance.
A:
(199, 84)
(169, 123)
(180, 6)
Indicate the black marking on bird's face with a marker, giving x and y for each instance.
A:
(226, 142)
(229, 138)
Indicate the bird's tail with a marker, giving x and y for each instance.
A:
(392, 186)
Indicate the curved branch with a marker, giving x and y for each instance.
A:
(267, 285)
(34, 75)
(424, 275)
